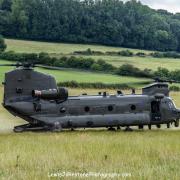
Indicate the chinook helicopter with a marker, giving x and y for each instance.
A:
(35, 97)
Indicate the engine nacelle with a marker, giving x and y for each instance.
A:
(51, 94)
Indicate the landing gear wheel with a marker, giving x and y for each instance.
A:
(128, 129)
(158, 126)
(168, 125)
(56, 127)
(141, 127)
(176, 124)
(18, 129)
(118, 128)
(149, 126)
(111, 129)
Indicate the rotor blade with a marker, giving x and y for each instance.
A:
(8, 64)
(50, 67)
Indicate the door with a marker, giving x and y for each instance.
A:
(155, 111)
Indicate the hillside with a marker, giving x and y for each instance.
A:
(58, 48)
(109, 22)
(80, 76)
(61, 49)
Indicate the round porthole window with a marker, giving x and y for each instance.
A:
(133, 107)
(87, 109)
(63, 110)
(89, 123)
(110, 108)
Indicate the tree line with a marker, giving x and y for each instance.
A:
(109, 22)
(99, 85)
(90, 65)
(128, 53)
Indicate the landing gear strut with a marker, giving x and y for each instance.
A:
(141, 127)
(168, 125)
(158, 126)
(176, 123)
(149, 126)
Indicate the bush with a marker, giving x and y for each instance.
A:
(174, 88)
(175, 75)
(106, 66)
(120, 53)
(130, 70)
(166, 74)
(44, 58)
(171, 55)
(140, 54)
(19, 57)
(88, 52)
(165, 55)
(157, 55)
(10, 55)
(162, 73)
(112, 53)
(125, 53)
(96, 67)
(98, 85)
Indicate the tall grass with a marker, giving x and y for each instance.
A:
(36, 47)
(145, 154)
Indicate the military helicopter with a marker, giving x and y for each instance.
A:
(35, 97)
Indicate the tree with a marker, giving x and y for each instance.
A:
(109, 22)
(6, 5)
(18, 19)
(2, 44)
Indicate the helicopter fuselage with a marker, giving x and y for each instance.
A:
(97, 111)
(36, 98)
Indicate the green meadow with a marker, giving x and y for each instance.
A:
(81, 76)
(143, 154)
(60, 49)
(142, 62)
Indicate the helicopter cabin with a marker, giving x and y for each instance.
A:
(156, 88)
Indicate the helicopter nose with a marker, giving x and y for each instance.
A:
(178, 113)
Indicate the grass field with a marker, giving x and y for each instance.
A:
(144, 154)
(59, 49)
(81, 76)
(64, 48)
(142, 62)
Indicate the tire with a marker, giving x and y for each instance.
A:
(18, 130)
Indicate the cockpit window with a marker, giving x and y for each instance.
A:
(171, 105)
